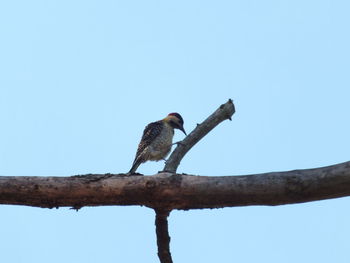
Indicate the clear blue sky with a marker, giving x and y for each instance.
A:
(79, 80)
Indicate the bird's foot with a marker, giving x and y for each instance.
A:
(178, 143)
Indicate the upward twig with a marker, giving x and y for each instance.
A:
(224, 112)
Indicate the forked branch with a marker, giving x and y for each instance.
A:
(167, 190)
(224, 112)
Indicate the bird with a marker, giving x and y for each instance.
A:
(157, 140)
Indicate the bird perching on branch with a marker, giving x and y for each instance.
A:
(157, 140)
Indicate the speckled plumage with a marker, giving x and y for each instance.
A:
(155, 143)
(156, 140)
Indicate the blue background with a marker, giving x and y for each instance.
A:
(79, 80)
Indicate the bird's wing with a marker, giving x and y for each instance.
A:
(150, 133)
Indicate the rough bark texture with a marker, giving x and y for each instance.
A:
(224, 112)
(176, 191)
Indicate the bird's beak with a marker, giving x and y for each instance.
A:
(183, 130)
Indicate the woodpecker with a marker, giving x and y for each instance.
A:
(157, 140)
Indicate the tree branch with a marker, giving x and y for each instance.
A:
(167, 190)
(224, 112)
(175, 191)
(163, 238)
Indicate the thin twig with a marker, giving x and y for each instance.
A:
(163, 238)
(224, 112)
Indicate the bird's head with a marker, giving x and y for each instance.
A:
(175, 120)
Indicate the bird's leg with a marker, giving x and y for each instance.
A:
(178, 143)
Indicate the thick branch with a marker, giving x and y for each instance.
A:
(163, 238)
(224, 112)
(174, 191)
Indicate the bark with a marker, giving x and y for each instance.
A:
(163, 238)
(178, 191)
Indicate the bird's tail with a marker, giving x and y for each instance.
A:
(135, 165)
